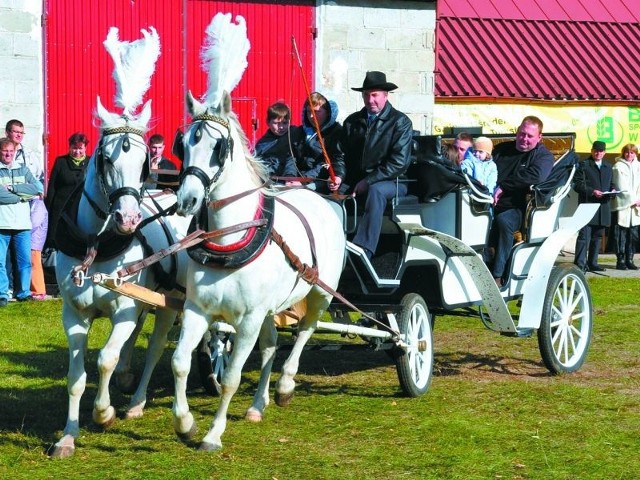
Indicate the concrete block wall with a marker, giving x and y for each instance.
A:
(21, 75)
(396, 37)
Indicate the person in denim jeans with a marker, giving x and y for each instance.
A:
(17, 187)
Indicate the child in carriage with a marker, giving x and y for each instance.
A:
(479, 165)
(275, 148)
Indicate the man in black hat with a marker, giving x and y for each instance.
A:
(593, 181)
(377, 146)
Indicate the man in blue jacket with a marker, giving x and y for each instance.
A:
(521, 164)
(377, 147)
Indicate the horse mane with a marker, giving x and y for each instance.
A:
(257, 168)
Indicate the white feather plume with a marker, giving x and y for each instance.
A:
(224, 55)
(134, 64)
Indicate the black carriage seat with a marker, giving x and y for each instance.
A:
(545, 205)
(449, 201)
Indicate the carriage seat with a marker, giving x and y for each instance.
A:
(449, 201)
(545, 205)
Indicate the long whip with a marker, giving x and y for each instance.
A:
(316, 125)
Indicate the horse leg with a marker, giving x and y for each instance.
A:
(268, 341)
(125, 380)
(163, 323)
(194, 325)
(316, 305)
(103, 412)
(76, 330)
(248, 329)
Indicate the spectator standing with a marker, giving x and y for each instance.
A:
(275, 148)
(163, 173)
(377, 146)
(521, 164)
(593, 181)
(67, 173)
(38, 211)
(17, 187)
(626, 207)
(310, 157)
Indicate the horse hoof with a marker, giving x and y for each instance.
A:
(209, 447)
(186, 436)
(253, 416)
(107, 419)
(62, 451)
(126, 383)
(135, 412)
(283, 399)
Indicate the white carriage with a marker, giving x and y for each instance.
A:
(430, 263)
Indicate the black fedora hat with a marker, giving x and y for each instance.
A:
(375, 81)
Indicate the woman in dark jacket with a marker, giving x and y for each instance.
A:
(67, 173)
(309, 156)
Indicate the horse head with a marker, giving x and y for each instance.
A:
(120, 164)
(206, 149)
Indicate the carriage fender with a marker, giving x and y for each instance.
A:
(535, 286)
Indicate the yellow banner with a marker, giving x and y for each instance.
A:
(616, 126)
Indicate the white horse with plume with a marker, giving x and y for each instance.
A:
(106, 219)
(249, 273)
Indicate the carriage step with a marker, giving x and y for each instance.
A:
(520, 333)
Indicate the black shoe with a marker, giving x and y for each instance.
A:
(596, 268)
(631, 266)
(620, 266)
(28, 298)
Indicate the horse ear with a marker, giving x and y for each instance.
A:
(226, 102)
(145, 114)
(194, 107)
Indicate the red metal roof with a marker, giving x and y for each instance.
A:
(573, 10)
(515, 59)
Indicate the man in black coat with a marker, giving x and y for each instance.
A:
(377, 146)
(593, 182)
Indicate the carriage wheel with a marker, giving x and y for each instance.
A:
(213, 357)
(415, 363)
(565, 329)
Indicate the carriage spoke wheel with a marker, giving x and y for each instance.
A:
(564, 335)
(214, 351)
(415, 363)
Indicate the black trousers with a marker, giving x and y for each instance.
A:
(588, 245)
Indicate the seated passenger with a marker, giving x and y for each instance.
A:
(521, 164)
(480, 166)
(310, 157)
(377, 146)
(275, 148)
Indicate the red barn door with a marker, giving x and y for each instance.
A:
(78, 68)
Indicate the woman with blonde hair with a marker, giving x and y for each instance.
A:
(626, 206)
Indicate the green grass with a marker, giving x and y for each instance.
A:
(492, 412)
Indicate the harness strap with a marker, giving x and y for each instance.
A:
(310, 275)
(193, 238)
(90, 256)
(307, 227)
(215, 204)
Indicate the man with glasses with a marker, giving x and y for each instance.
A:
(17, 187)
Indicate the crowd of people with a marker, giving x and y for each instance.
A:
(29, 218)
(364, 157)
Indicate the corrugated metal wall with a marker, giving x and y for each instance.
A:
(78, 68)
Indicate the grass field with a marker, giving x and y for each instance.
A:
(492, 412)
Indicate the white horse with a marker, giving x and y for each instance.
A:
(106, 215)
(219, 169)
(112, 190)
